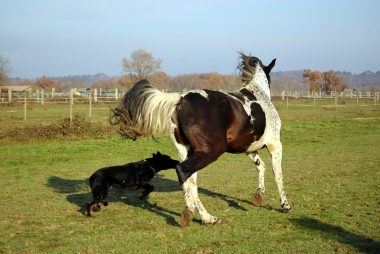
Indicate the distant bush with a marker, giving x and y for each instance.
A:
(80, 129)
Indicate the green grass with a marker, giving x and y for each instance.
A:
(331, 171)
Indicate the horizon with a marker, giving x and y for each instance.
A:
(57, 39)
(118, 76)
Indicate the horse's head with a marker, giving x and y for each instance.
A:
(253, 70)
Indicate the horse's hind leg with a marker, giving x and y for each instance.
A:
(257, 198)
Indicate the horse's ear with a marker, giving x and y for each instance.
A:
(158, 153)
(154, 155)
(271, 65)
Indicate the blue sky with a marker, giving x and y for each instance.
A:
(71, 37)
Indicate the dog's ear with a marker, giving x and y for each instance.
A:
(154, 155)
(158, 153)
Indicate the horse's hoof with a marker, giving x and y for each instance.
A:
(186, 217)
(257, 198)
(213, 221)
(218, 221)
(287, 210)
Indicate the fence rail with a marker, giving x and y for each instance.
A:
(330, 94)
(41, 96)
(112, 95)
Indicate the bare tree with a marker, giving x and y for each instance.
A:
(141, 65)
(182, 82)
(5, 70)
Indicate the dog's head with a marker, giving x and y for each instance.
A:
(162, 161)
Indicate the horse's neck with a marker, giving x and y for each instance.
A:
(259, 84)
(260, 93)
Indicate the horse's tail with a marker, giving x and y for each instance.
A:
(144, 111)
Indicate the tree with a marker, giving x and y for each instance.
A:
(211, 81)
(126, 82)
(323, 81)
(5, 70)
(182, 82)
(313, 78)
(142, 64)
(106, 84)
(334, 82)
(47, 83)
(231, 82)
(161, 80)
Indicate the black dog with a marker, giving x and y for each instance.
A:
(131, 176)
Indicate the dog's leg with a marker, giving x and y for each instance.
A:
(148, 189)
(89, 206)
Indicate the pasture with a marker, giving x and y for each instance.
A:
(331, 167)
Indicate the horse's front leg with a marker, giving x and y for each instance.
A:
(257, 198)
(190, 191)
(275, 150)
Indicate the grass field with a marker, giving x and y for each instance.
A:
(331, 167)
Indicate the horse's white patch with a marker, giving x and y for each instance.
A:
(246, 105)
(260, 166)
(181, 149)
(201, 92)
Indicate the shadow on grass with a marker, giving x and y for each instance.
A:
(361, 243)
(78, 192)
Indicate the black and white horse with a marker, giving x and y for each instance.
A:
(204, 124)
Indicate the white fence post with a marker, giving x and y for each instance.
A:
(9, 95)
(90, 97)
(71, 106)
(374, 98)
(25, 105)
(42, 96)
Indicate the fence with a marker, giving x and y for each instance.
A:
(42, 97)
(39, 96)
(89, 96)
(330, 94)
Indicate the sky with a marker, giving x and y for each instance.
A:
(85, 37)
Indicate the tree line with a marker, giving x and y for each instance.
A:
(142, 65)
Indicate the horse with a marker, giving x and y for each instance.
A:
(204, 124)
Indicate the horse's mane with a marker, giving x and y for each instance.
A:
(247, 67)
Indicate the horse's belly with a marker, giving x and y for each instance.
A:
(255, 146)
(244, 143)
